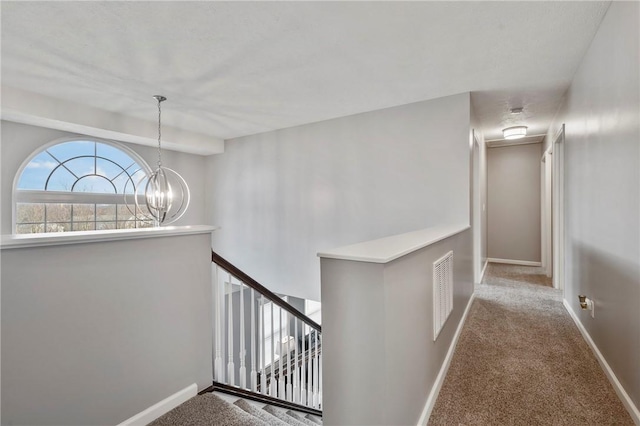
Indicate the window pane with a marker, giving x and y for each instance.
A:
(145, 224)
(94, 184)
(58, 227)
(145, 211)
(67, 150)
(81, 166)
(105, 212)
(30, 229)
(58, 213)
(105, 225)
(124, 184)
(83, 212)
(114, 154)
(126, 224)
(84, 226)
(60, 180)
(36, 172)
(126, 212)
(29, 213)
(141, 213)
(108, 169)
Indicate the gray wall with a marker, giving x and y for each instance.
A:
(484, 198)
(379, 358)
(280, 197)
(94, 333)
(513, 202)
(602, 191)
(19, 141)
(479, 196)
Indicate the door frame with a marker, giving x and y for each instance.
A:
(546, 211)
(477, 207)
(558, 212)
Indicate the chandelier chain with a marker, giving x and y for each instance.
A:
(159, 133)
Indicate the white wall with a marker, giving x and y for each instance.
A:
(95, 333)
(380, 362)
(513, 202)
(602, 191)
(19, 141)
(280, 197)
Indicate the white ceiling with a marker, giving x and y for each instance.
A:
(237, 68)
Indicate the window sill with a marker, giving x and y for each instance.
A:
(79, 237)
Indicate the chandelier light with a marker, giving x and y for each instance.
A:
(164, 193)
(515, 132)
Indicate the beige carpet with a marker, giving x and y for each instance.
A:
(211, 410)
(521, 360)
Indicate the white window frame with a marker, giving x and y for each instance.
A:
(64, 197)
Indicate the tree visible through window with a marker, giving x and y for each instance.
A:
(79, 185)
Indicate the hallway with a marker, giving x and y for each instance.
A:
(521, 360)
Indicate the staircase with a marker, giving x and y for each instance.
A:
(263, 347)
(222, 409)
(267, 359)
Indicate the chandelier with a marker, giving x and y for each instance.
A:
(164, 193)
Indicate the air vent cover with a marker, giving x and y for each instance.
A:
(442, 291)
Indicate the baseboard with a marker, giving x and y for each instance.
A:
(484, 269)
(514, 262)
(435, 390)
(150, 414)
(617, 386)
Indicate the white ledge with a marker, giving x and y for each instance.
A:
(385, 250)
(80, 237)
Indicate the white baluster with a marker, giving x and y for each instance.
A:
(281, 386)
(320, 373)
(309, 372)
(263, 374)
(296, 372)
(254, 374)
(243, 346)
(315, 373)
(289, 373)
(303, 378)
(272, 379)
(231, 377)
(217, 318)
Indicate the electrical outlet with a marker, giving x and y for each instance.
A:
(593, 309)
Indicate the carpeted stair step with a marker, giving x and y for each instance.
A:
(207, 409)
(223, 409)
(314, 419)
(282, 415)
(269, 419)
(301, 418)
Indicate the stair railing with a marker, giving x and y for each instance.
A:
(263, 346)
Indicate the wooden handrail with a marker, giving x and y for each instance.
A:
(246, 279)
(265, 399)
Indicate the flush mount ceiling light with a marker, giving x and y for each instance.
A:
(515, 132)
(166, 194)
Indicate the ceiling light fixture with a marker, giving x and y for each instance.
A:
(166, 194)
(515, 132)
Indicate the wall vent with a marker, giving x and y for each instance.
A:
(442, 292)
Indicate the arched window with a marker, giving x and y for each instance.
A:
(78, 185)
